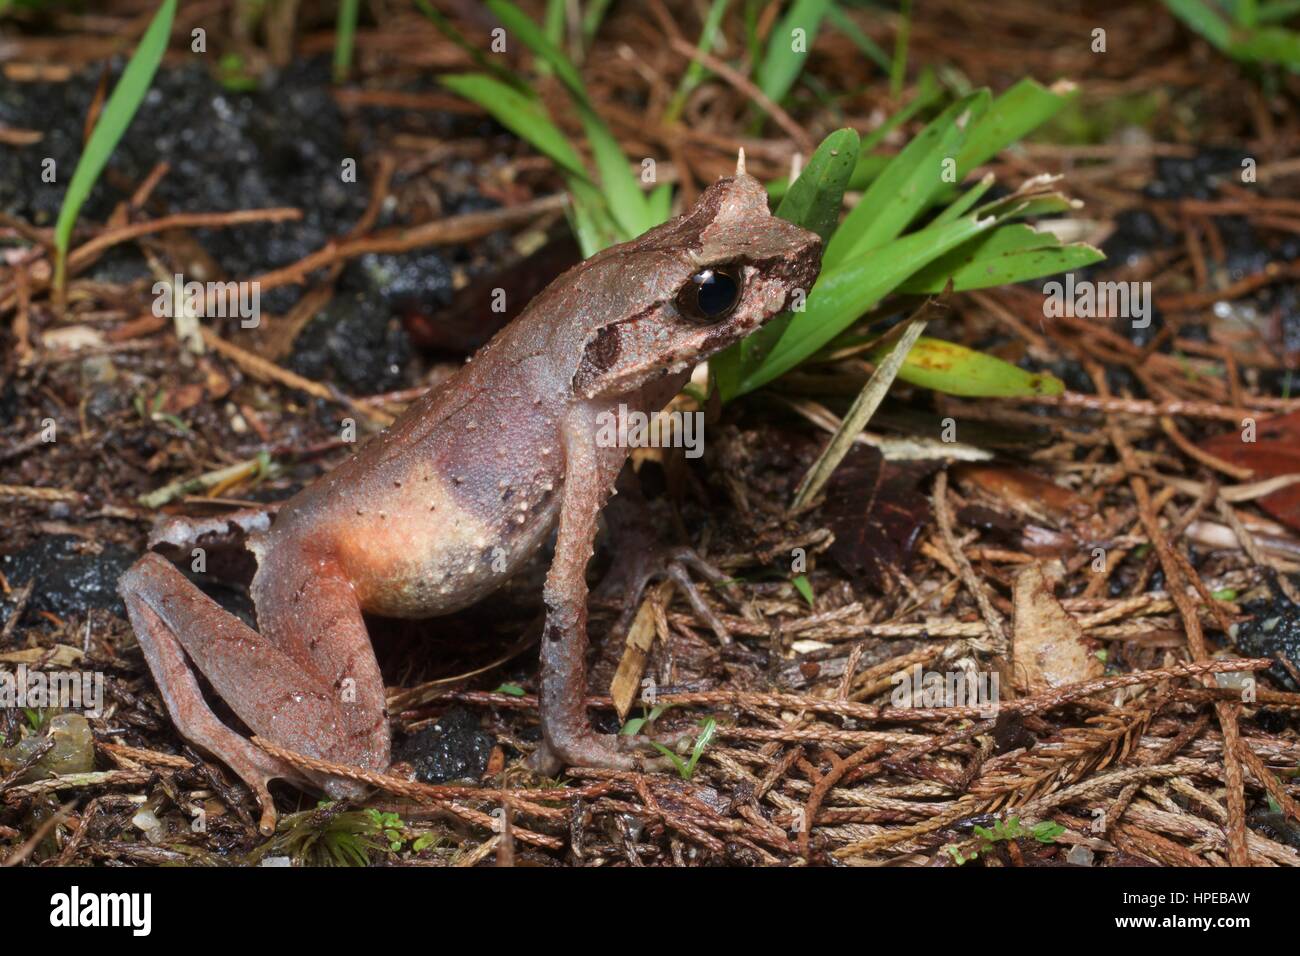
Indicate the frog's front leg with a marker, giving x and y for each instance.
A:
(567, 735)
(308, 681)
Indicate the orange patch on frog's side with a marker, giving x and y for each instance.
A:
(411, 557)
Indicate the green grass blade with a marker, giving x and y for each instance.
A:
(660, 203)
(554, 21)
(1203, 19)
(695, 69)
(345, 34)
(815, 198)
(956, 370)
(622, 190)
(626, 201)
(585, 220)
(906, 186)
(782, 63)
(805, 589)
(532, 36)
(812, 202)
(116, 116)
(701, 742)
(1010, 117)
(845, 292)
(962, 204)
(1277, 11)
(898, 67)
(592, 18)
(842, 22)
(1268, 45)
(870, 165)
(484, 62)
(1011, 253)
(867, 169)
(520, 114)
(928, 92)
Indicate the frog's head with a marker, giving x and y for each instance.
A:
(695, 285)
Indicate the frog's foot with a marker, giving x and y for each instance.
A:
(635, 570)
(641, 556)
(608, 751)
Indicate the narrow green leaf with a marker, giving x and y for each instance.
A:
(782, 62)
(116, 116)
(592, 18)
(532, 36)
(962, 204)
(867, 169)
(590, 219)
(907, 184)
(845, 292)
(815, 198)
(991, 266)
(695, 69)
(660, 203)
(1277, 11)
(812, 202)
(520, 114)
(928, 92)
(1268, 45)
(842, 22)
(1009, 118)
(870, 165)
(956, 370)
(1203, 19)
(474, 51)
(701, 742)
(345, 33)
(805, 589)
(554, 21)
(898, 66)
(622, 191)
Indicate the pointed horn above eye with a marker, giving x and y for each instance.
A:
(740, 162)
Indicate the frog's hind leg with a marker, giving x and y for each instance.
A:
(162, 604)
(309, 610)
(268, 687)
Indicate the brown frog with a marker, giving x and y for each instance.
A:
(435, 513)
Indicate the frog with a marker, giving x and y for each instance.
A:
(472, 481)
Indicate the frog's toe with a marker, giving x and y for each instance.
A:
(341, 788)
(677, 565)
(607, 752)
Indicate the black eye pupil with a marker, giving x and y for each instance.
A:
(710, 295)
(717, 293)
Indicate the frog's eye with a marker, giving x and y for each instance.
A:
(711, 294)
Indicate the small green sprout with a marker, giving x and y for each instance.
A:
(802, 585)
(686, 768)
(633, 726)
(391, 826)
